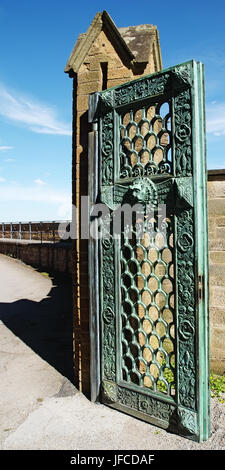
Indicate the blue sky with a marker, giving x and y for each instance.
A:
(36, 38)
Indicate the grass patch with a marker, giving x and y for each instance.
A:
(217, 386)
(169, 377)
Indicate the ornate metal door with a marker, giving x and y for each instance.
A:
(149, 287)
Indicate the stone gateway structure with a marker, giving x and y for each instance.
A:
(102, 57)
(142, 144)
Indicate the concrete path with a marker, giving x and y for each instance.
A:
(39, 406)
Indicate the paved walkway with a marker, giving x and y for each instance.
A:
(39, 406)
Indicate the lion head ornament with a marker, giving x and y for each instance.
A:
(142, 191)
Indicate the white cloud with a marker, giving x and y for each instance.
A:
(58, 201)
(2, 179)
(4, 148)
(8, 160)
(39, 118)
(215, 118)
(40, 182)
(32, 193)
(65, 209)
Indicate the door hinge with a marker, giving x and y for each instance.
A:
(200, 287)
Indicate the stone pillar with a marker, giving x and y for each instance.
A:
(101, 58)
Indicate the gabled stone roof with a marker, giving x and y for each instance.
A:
(135, 42)
(140, 40)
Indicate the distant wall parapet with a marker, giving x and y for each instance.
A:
(33, 231)
(38, 244)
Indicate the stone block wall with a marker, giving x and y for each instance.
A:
(216, 213)
(50, 257)
(43, 231)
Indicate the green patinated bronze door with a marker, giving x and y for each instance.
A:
(149, 286)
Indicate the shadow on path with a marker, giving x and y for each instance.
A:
(45, 326)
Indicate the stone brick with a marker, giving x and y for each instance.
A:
(82, 102)
(89, 76)
(115, 82)
(217, 316)
(115, 63)
(216, 189)
(216, 206)
(94, 64)
(211, 235)
(216, 244)
(220, 221)
(119, 72)
(220, 233)
(211, 224)
(217, 366)
(90, 87)
(217, 274)
(218, 339)
(217, 257)
(217, 296)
